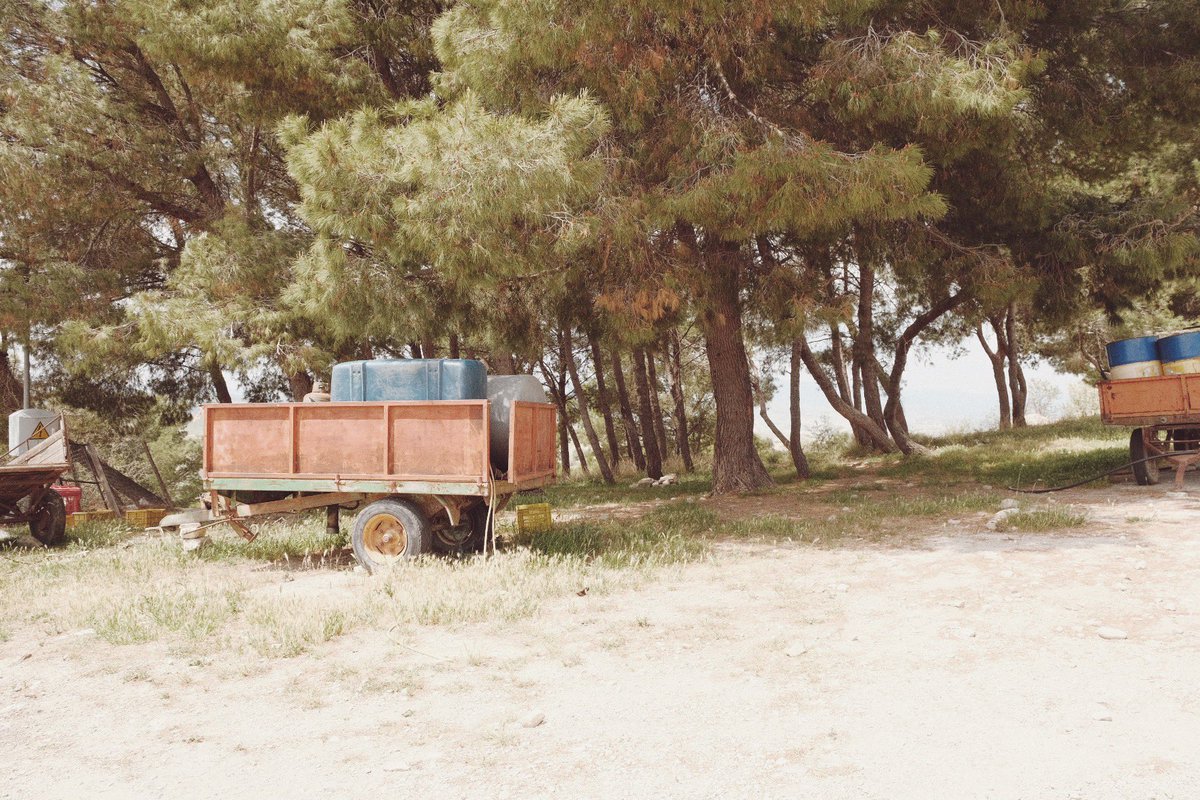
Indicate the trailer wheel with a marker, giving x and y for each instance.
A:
(388, 531)
(1146, 472)
(467, 536)
(49, 520)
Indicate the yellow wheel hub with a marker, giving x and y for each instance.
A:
(384, 537)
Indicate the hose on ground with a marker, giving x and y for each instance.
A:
(1101, 475)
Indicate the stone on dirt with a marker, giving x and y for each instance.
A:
(532, 720)
(795, 649)
(1008, 503)
(1111, 633)
(645, 482)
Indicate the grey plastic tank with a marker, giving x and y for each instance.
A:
(409, 379)
(502, 392)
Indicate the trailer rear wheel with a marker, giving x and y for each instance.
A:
(1146, 472)
(48, 523)
(388, 531)
(466, 537)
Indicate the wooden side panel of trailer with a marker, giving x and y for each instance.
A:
(444, 441)
(531, 442)
(1165, 400)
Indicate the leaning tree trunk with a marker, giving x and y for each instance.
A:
(219, 385)
(877, 437)
(645, 415)
(632, 439)
(567, 354)
(660, 431)
(996, 357)
(892, 411)
(602, 399)
(1016, 375)
(799, 459)
(737, 466)
(681, 424)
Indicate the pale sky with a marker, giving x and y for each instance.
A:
(942, 393)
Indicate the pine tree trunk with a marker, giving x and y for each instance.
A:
(454, 350)
(564, 444)
(299, 384)
(567, 354)
(681, 423)
(646, 415)
(632, 438)
(864, 345)
(877, 436)
(1016, 375)
(736, 463)
(219, 385)
(892, 411)
(996, 357)
(799, 459)
(604, 401)
(10, 384)
(660, 431)
(583, 464)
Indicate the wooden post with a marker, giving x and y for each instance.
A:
(110, 497)
(161, 483)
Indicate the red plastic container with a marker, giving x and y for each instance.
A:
(72, 497)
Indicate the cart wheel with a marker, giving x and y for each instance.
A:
(1146, 472)
(467, 536)
(49, 520)
(388, 531)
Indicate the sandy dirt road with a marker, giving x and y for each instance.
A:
(968, 665)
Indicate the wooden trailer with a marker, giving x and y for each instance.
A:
(26, 495)
(423, 471)
(1164, 413)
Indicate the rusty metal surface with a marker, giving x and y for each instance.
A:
(531, 442)
(1165, 400)
(337, 443)
(29, 474)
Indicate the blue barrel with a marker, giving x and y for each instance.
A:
(1134, 358)
(409, 379)
(1180, 353)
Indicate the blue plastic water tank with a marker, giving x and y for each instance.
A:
(1180, 353)
(409, 379)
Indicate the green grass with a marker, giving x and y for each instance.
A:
(1044, 456)
(1040, 520)
(299, 541)
(582, 492)
(132, 588)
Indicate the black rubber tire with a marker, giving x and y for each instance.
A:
(49, 523)
(467, 536)
(1146, 472)
(376, 521)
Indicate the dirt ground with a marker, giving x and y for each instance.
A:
(967, 665)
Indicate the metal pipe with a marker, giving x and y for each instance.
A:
(25, 393)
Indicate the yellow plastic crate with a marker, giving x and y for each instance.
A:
(533, 518)
(144, 517)
(77, 518)
(95, 515)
